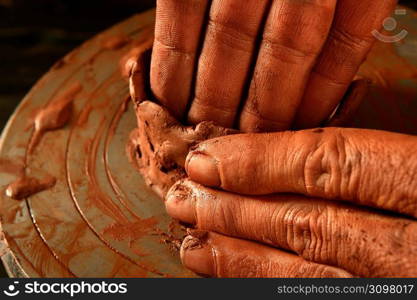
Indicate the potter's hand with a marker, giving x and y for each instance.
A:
(364, 167)
(304, 53)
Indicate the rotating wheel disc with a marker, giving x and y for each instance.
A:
(100, 219)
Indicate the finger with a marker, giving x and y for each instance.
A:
(178, 28)
(136, 68)
(225, 60)
(368, 167)
(346, 110)
(349, 42)
(214, 255)
(293, 37)
(360, 241)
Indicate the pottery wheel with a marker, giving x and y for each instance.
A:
(100, 219)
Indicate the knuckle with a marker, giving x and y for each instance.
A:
(333, 168)
(350, 48)
(173, 47)
(202, 104)
(236, 23)
(285, 51)
(309, 231)
(296, 43)
(321, 5)
(230, 34)
(351, 41)
(330, 76)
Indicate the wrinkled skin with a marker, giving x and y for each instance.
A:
(260, 65)
(316, 203)
(240, 187)
(257, 200)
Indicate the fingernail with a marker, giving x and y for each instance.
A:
(180, 204)
(203, 169)
(197, 254)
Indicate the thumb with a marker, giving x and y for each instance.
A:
(368, 167)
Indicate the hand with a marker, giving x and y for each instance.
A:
(246, 222)
(297, 58)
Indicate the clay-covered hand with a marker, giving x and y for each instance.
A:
(285, 63)
(326, 224)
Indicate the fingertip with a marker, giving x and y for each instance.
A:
(197, 254)
(180, 203)
(203, 168)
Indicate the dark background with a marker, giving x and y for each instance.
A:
(36, 33)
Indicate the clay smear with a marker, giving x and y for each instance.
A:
(25, 186)
(162, 144)
(55, 115)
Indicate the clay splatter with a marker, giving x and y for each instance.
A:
(55, 115)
